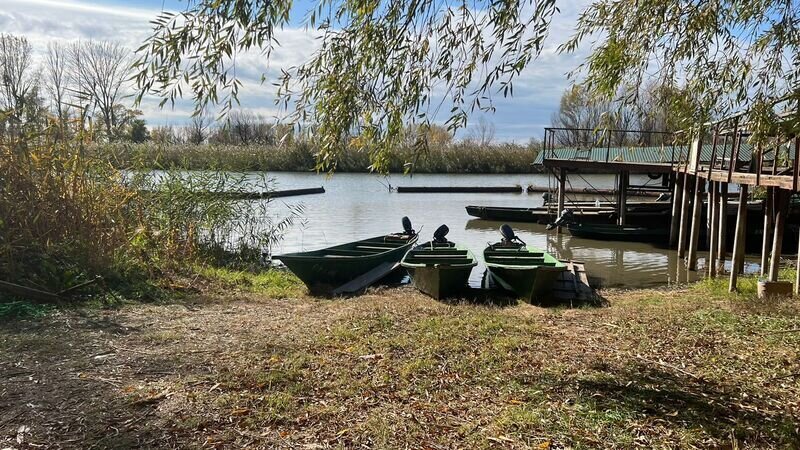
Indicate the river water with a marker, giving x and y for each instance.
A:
(357, 206)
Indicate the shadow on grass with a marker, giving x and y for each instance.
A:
(62, 384)
(683, 401)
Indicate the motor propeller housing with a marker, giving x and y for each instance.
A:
(567, 216)
(509, 237)
(440, 235)
(407, 228)
(507, 232)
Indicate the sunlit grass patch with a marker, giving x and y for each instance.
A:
(270, 282)
(746, 286)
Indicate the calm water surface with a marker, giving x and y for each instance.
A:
(357, 206)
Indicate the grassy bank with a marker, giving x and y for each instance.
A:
(239, 365)
(70, 219)
(453, 158)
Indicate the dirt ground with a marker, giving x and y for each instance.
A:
(395, 369)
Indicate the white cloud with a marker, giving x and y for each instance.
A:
(536, 91)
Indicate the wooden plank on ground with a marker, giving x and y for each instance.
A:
(573, 284)
(366, 279)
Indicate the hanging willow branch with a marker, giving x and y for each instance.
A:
(380, 66)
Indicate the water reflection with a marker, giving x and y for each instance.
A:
(614, 264)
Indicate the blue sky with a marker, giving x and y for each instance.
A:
(536, 92)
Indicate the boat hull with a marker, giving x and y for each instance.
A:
(439, 272)
(322, 272)
(619, 233)
(545, 216)
(440, 282)
(531, 285)
(529, 273)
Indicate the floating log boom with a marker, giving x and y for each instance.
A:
(458, 189)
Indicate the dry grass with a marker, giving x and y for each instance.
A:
(394, 369)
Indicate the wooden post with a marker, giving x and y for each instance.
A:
(723, 227)
(797, 275)
(562, 180)
(683, 232)
(713, 245)
(623, 197)
(781, 211)
(697, 210)
(738, 241)
(675, 222)
(768, 206)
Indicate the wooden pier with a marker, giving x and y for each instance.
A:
(705, 167)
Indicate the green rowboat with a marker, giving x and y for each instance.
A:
(439, 269)
(323, 271)
(528, 272)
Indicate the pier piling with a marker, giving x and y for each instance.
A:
(683, 231)
(697, 210)
(737, 258)
(769, 215)
(781, 205)
(562, 181)
(675, 221)
(723, 227)
(622, 191)
(713, 222)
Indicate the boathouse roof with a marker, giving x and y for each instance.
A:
(652, 155)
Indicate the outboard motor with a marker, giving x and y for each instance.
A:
(664, 197)
(508, 235)
(440, 235)
(566, 216)
(407, 229)
(547, 198)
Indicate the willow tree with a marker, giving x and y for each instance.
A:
(731, 56)
(384, 64)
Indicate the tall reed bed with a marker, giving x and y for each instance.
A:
(300, 156)
(69, 214)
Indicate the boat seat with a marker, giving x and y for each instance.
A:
(374, 247)
(521, 263)
(439, 253)
(441, 261)
(342, 252)
(379, 244)
(519, 255)
(438, 249)
(511, 252)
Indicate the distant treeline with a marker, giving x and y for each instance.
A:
(461, 157)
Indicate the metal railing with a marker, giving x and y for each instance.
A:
(586, 140)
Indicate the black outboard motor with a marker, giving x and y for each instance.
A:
(566, 216)
(508, 235)
(407, 229)
(440, 235)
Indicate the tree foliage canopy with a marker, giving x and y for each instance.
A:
(382, 64)
(731, 55)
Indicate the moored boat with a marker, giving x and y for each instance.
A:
(545, 215)
(325, 270)
(439, 268)
(527, 271)
(608, 232)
